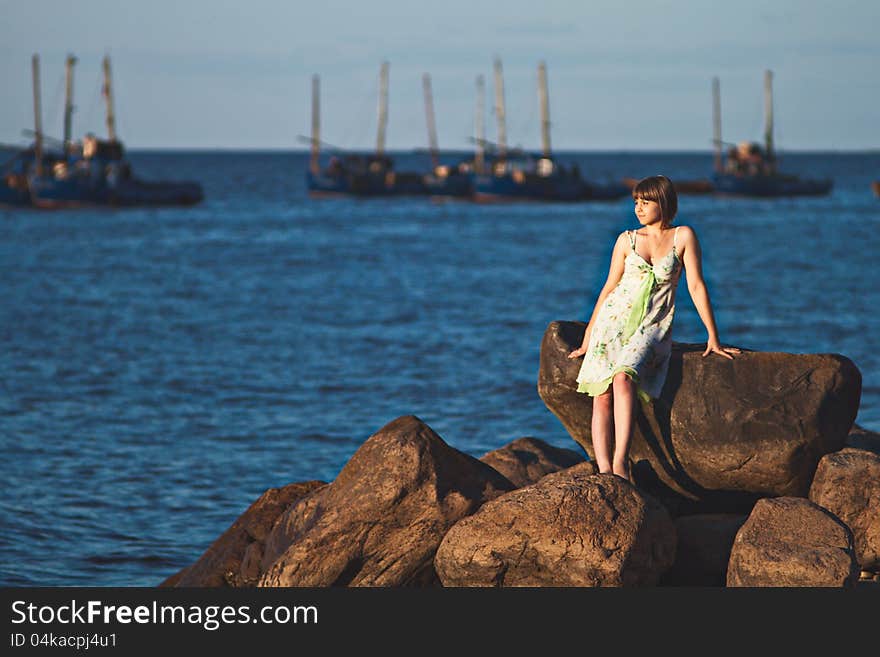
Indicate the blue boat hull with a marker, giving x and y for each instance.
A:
(326, 185)
(366, 184)
(532, 188)
(389, 184)
(14, 189)
(551, 188)
(14, 193)
(769, 186)
(50, 192)
(455, 185)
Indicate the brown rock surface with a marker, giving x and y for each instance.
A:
(703, 549)
(525, 460)
(380, 521)
(847, 483)
(572, 528)
(220, 565)
(789, 541)
(724, 432)
(862, 438)
(290, 524)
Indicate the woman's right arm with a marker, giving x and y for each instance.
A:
(618, 260)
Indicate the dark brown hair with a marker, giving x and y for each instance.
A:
(660, 190)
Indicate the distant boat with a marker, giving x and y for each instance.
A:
(103, 176)
(355, 174)
(97, 172)
(520, 176)
(748, 170)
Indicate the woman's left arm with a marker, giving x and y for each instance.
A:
(693, 264)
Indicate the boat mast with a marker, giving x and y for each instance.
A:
(68, 102)
(383, 109)
(499, 110)
(768, 117)
(545, 108)
(38, 121)
(429, 114)
(479, 126)
(108, 96)
(316, 124)
(716, 121)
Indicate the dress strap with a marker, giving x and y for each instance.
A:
(632, 239)
(674, 235)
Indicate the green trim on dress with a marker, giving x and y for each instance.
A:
(594, 389)
(640, 303)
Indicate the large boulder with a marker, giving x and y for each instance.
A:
(847, 483)
(789, 541)
(723, 432)
(572, 528)
(525, 460)
(703, 549)
(380, 521)
(221, 563)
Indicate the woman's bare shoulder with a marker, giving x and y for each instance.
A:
(685, 234)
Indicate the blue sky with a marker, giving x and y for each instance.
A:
(628, 76)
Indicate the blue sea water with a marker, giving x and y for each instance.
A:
(161, 368)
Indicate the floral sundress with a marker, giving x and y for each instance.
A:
(632, 330)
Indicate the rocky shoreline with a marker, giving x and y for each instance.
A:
(746, 473)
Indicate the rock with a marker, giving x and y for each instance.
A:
(291, 524)
(526, 460)
(863, 439)
(221, 564)
(380, 521)
(172, 580)
(572, 528)
(789, 541)
(724, 432)
(847, 483)
(703, 549)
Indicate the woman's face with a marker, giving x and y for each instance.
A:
(648, 212)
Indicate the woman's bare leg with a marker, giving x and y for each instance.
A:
(624, 410)
(601, 429)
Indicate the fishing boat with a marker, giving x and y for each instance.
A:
(749, 170)
(97, 172)
(357, 174)
(523, 176)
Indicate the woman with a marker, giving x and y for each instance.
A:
(628, 340)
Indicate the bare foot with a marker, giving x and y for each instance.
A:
(624, 473)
